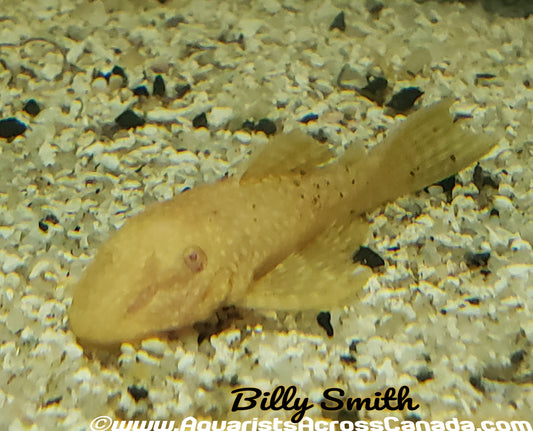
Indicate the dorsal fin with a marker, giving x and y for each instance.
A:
(286, 153)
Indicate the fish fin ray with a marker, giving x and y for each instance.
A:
(285, 153)
(320, 276)
(427, 147)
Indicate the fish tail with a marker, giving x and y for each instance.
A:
(426, 148)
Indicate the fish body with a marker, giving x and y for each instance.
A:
(253, 240)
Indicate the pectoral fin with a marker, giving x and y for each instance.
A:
(320, 276)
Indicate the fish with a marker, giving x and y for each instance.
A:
(278, 236)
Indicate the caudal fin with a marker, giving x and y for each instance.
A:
(425, 148)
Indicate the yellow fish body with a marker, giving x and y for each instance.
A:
(278, 237)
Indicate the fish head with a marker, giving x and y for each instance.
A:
(155, 274)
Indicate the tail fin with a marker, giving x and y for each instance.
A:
(427, 147)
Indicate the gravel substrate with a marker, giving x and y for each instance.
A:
(107, 106)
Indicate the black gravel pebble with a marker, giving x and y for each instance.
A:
(31, 107)
(200, 121)
(338, 22)
(159, 86)
(518, 357)
(324, 320)
(404, 99)
(476, 260)
(447, 184)
(43, 226)
(424, 374)
(50, 218)
(375, 89)
(477, 383)
(53, 401)
(129, 119)
(367, 257)
(268, 127)
(348, 359)
(141, 90)
(137, 392)
(11, 127)
(248, 125)
(483, 178)
(117, 70)
(308, 118)
(182, 90)
(473, 301)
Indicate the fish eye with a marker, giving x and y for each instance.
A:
(195, 258)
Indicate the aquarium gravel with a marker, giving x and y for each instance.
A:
(110, 105)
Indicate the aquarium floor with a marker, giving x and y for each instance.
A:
(449, 313)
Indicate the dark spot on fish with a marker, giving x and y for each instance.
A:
(137, 392)
(159, 88)
(338, 22)
(404, 99)
(476, 260)
(412, 173)
(11, 127)
(341, 195)
(129, 120)
(367, 257)
(453, 158)
(353, 181)
(324, 320)
(200, 121)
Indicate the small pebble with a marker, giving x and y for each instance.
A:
(32, 108)
(338, 22)
(182, 90)
(11, 127)
(367, 257)
(137, 392)
(159, 86)
(268, 127)
(200, 121)
(404, 99)
(324, 320)
(129, 120)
